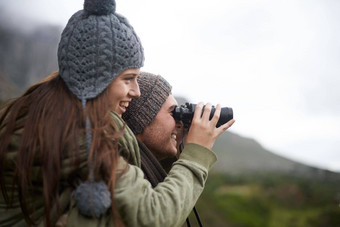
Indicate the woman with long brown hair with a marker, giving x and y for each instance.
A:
(67, 157)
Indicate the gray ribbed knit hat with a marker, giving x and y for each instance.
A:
(96, 45)
(154, 91)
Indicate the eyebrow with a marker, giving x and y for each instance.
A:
(131, 74)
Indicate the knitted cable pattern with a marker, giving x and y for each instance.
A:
(94, 49)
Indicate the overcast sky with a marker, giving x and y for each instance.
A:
(275, 62)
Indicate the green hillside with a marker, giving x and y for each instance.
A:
(273, 200)
(250, 186)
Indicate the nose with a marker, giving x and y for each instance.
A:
(134, 90)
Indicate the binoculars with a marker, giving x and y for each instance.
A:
(185, 114)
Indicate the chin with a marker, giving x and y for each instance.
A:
(173, 154)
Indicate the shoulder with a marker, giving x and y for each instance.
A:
(128, 145)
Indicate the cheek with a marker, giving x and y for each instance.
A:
(117, 96)
(118, 89)
(171, 123)
(113, 98)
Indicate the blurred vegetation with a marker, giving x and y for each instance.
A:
(274, 200)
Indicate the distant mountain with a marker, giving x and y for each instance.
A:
(240, 155)
(26, 56)
(7, 88)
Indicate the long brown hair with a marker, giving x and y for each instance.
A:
(50, 122)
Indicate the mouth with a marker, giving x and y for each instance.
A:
(174, 136)
(124, 104)
(122, 107)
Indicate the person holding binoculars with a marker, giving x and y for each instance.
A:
(160, 124)
(150, 118)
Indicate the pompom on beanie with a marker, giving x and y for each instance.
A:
(154, 91)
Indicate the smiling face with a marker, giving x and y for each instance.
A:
(160, 135)
(123, 89)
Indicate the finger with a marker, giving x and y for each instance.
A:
(216, 115)
(227, 125)
(198, 111)
(207, 111)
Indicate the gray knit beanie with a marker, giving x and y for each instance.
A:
(96, 45)
(154, 91)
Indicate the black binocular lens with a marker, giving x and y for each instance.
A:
(185, 114)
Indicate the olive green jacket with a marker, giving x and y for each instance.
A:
(168, 204)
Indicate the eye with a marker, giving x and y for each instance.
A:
(128, 78)
(171, 110)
